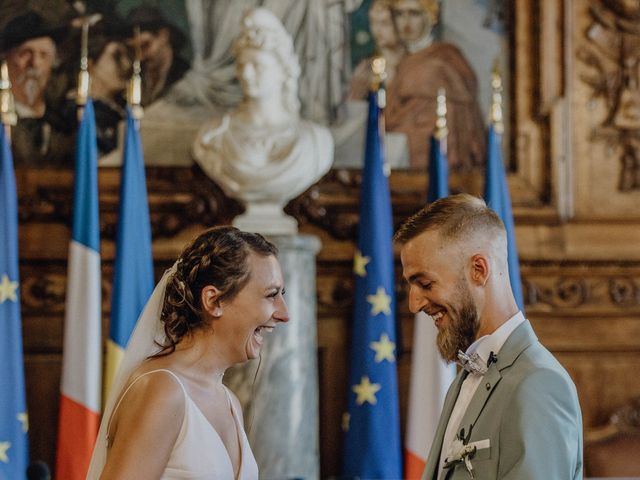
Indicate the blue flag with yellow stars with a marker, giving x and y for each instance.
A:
(372, 423)
(14, 448)
(496, 194)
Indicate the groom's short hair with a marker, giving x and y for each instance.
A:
(456, 217)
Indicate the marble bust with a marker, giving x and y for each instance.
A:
(262, 153)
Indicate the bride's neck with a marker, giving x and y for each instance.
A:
(198, 355)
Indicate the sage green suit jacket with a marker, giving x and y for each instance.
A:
(527, 408)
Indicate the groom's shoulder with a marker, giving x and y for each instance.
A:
(537, 370)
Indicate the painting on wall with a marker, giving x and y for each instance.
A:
(198, 82)
(429, 44)
(188, 71)
(41, 44)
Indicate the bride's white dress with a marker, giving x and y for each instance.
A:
(199, 452)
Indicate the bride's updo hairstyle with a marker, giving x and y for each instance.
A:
(216, 257)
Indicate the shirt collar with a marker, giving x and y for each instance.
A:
(493, 342)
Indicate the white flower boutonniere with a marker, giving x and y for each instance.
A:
(461, 452)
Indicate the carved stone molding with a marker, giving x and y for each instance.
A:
(178, 199)
(40, 293)
(45, 293)
(583, 288)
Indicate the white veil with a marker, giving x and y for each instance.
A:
(142, 344)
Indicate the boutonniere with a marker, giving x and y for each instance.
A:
(461, 452)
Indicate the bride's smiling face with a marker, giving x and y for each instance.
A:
(256, 310)
(260, 73)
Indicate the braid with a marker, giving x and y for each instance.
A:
(216, 257)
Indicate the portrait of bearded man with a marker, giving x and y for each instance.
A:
(30, 47)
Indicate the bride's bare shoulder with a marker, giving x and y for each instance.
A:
(151, 394)
(146, 425)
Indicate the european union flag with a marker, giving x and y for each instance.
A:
(133, 270)
(372, 424)
(14, 447)
(496, 194)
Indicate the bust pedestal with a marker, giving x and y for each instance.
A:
(267, 219)
(281, 406)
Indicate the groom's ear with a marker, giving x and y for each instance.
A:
(210, 300)
(480, 269)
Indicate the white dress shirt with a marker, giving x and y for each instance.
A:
(483, 347)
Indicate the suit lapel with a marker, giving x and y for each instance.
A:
(480, 397)
(519, 340)
(433, 460)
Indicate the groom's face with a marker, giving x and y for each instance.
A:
(438, 286)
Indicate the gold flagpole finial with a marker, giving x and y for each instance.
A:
(134, 92)
(378, 76)
(83, 76)
(7, 106)
(496, 99)
(84, 80)
(441, 130)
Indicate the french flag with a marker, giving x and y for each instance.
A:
(81, 367)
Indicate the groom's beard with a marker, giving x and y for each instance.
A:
(463, 325)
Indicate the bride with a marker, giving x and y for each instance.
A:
(169, 415)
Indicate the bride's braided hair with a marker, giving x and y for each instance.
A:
(216, 257)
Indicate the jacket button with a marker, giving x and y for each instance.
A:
(488, 385)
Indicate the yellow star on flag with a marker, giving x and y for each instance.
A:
(366, 391)
(384, 348)
(24, 419)
(4, 446)
(360, 263)
(346, 418)
(8, 289)
(380, 302)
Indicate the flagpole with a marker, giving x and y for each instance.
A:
(84, 78)
(496, 100)
(81, 379)
(14, 419)
(372, 446)
(8, 114)
(134, 90)
(430, 374)
(377, 85)
(133, 266)
(496, 186)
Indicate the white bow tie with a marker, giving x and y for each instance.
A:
(472, 363)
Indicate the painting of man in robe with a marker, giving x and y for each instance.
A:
(433, 49)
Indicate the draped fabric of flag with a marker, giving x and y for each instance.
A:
(14, 451)
(372, 427)
(133, 270)
(496, 194)
(430, 374)
(81, 365)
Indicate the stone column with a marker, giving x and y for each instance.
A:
(281, 406)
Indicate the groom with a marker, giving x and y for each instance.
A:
(512, 412)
